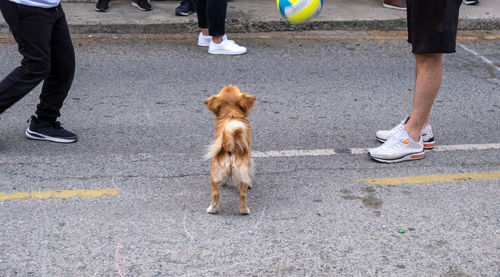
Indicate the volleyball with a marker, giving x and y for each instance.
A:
(297, 11)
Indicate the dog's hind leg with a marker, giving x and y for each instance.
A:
(219, 174)
(212, 209)
(243, 199)
(250, 172)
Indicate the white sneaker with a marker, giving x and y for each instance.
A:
(205, 40)
(471, 2)
(226, 47)
(427, 135)
(400, 147)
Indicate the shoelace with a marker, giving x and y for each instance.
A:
(401, 124)
(57, 125)
(397, 127)
(393, 142)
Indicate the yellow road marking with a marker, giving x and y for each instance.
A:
(59, 194)
(424, 179)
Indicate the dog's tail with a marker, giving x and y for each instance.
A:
(236, 132)
(232, 140)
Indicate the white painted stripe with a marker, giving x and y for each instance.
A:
(465, 147)
(358, 151)
(294, 153)
(363, 151)
(477, 55)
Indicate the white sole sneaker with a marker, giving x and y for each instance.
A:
(409, 157)
(104, 11)
(429, 143)
(204, 41)
(393, 7)
(400, 147)
(427, 134)
(226, 47)
(223, 52)
(37, 136)
(139, 7)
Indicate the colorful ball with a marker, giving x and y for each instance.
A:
(297, 11)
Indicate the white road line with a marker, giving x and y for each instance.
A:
(362, 151)
(294, 153)
(477, 55)
(358, 151)
(461, 147)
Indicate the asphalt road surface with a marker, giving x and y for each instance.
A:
(130, 197)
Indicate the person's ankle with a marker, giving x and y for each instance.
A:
(217, 40)
(414, 133)
(45, 120)
(204, 32)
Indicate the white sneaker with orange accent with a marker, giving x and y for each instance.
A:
(399, 147)
(427, 135)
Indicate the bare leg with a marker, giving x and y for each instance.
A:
(243, 199)
(204, 31)
(427, 84)
(212, 209)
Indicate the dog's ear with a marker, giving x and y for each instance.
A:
(212, 104)
(246, 103)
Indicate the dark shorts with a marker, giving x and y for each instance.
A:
(432, 25)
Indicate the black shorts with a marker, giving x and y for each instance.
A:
(432, 25)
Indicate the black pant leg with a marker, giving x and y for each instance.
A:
(32, 30)
(201, 13)
(62, 70)
(216, 14)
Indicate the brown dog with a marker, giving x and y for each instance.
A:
(231, 149)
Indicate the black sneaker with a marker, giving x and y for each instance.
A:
(51, 131)
(142, 5)
(102, 6)
(185, 8)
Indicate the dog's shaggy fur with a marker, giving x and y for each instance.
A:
(230, 151)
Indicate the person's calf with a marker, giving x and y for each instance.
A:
(427, 84)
